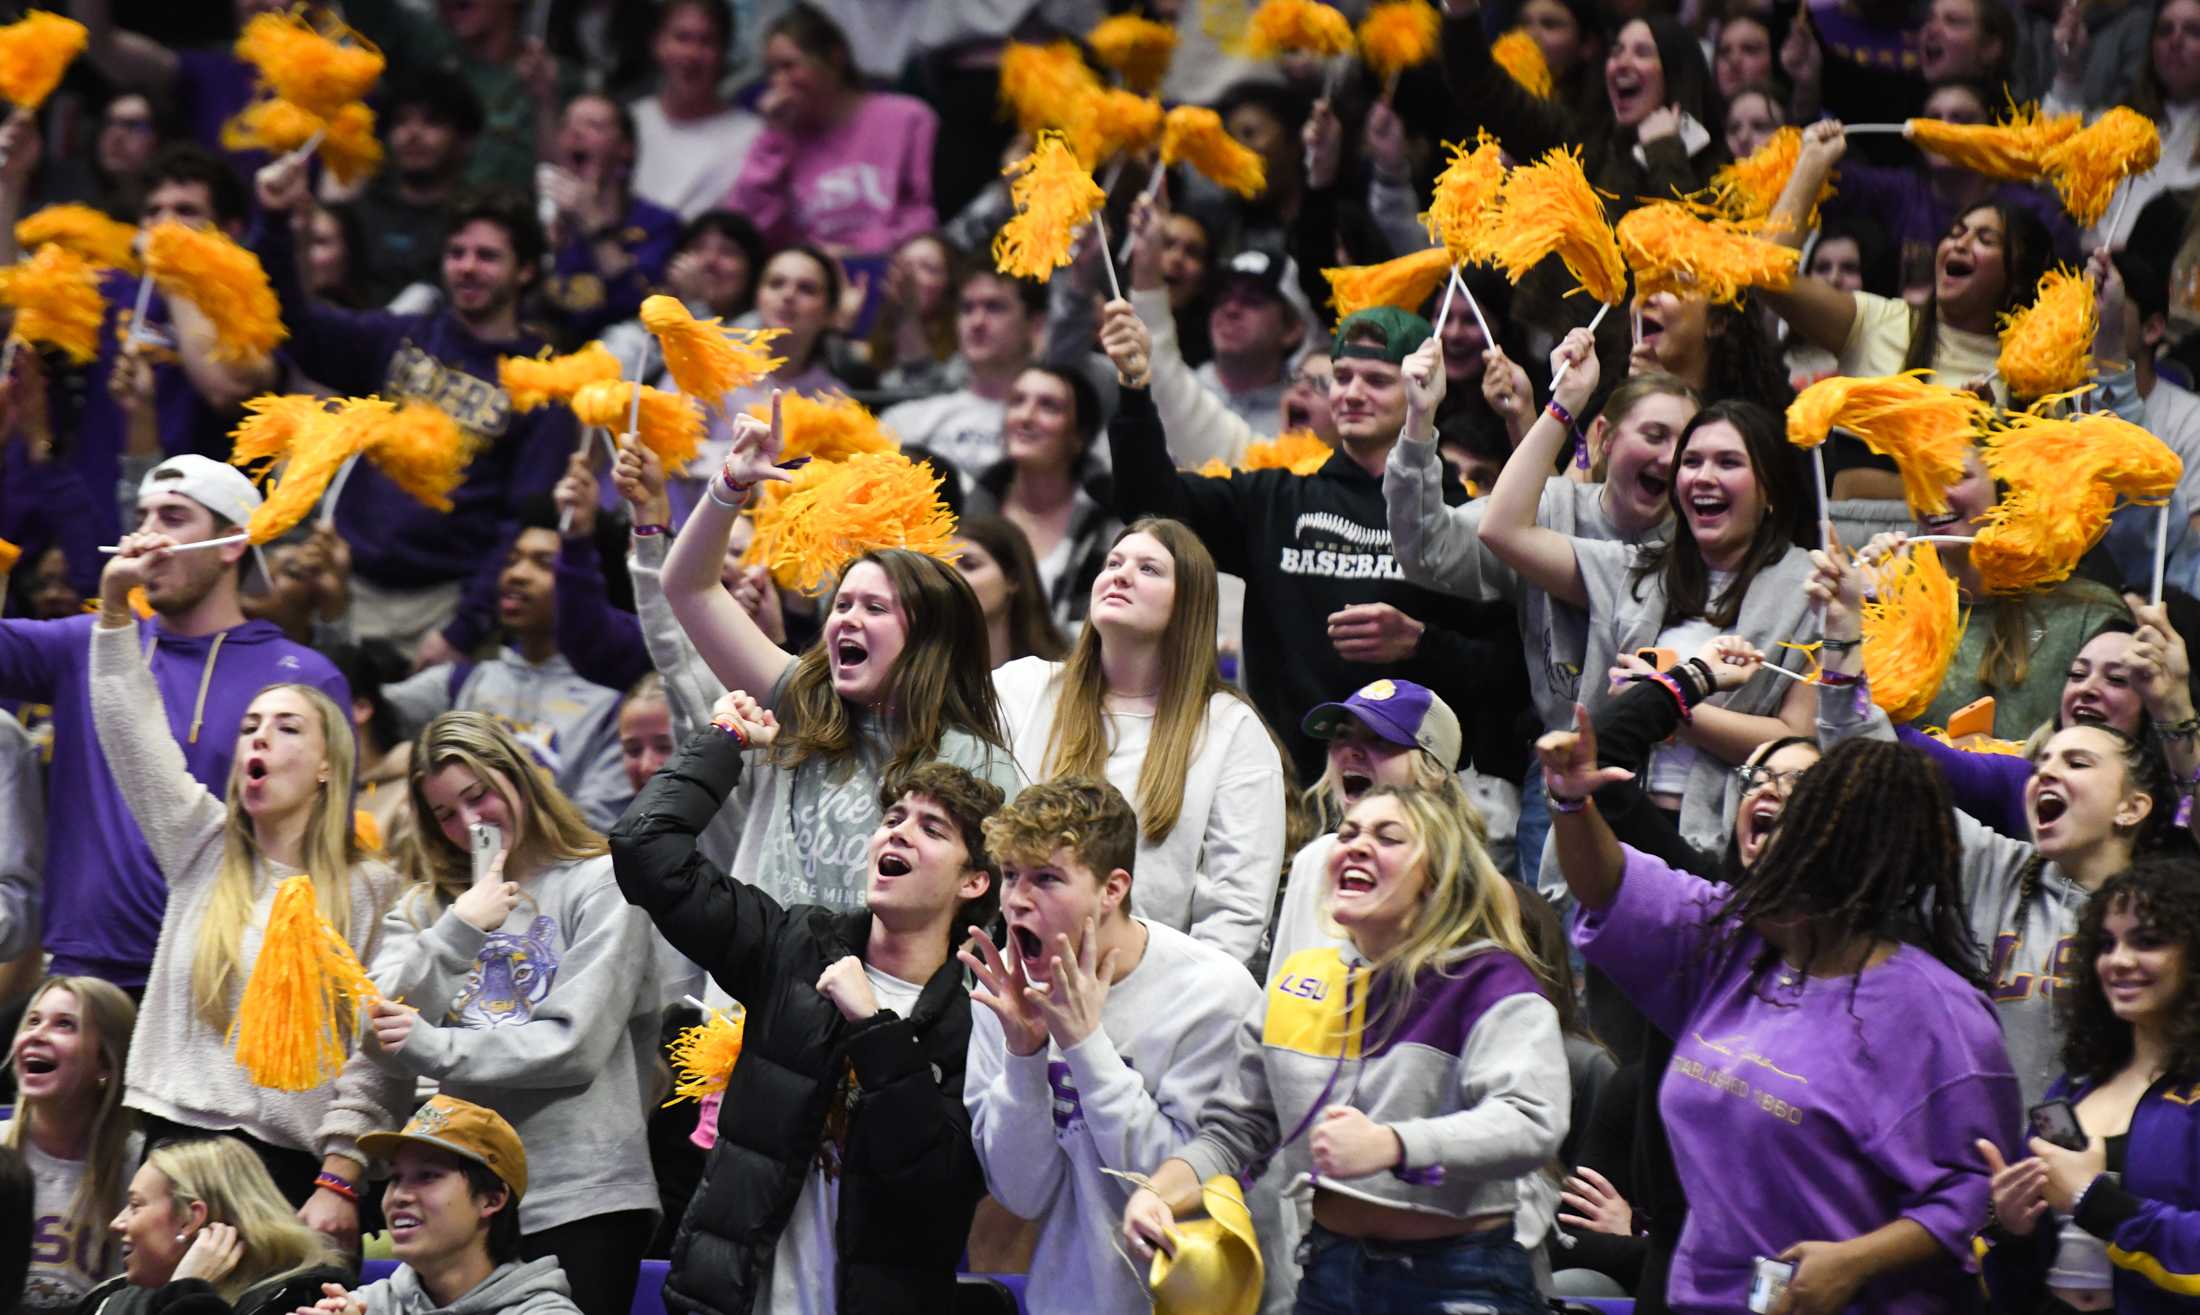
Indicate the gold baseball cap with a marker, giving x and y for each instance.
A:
(464, 1129)
(1217, 1268)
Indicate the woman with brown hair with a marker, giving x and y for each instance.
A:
(996, 563)
(1142, 702)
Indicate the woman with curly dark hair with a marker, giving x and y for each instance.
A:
(1723, 352)
(2116, 1223)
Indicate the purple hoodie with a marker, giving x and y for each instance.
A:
(104, 895)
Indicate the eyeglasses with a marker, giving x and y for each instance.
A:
(1320, 383)
(1753, 775)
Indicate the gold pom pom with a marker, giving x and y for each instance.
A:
(34, 52)
(835, 511)
(351, 150)
(1464, 198)
(1523, 61)
(2087, 166)
(2046, 348)
(2063, 475)
(10, 554)
(1406, 282)
(1287, 27)
(423, 451)
(320, 442)
(272, 424)
(703, 1056)
(55, 293)
(1547, 208)
(1300, 451)
(300, 1008)
(224, 280)
(1928, 430)
(671, 423)
(271, 125)
(1674, 247)
(1749, 188)
(1114, 121)
(1196, 135)
(1398, 34)
(2015, 149)
(708, 360)
(1054, 197)
(87, 232)
(1912, 626)
(1045, 86)
(1138, 49)
(315, 71)
(829, 427)
(533, 381)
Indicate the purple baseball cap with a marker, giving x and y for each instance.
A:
(1399, 711)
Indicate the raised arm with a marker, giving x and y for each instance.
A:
(1589, 854)
(1147, 482)
(122, 56)
(737, 650)
(1814, 308)
(1194, 420)
(1544, 557)
(2164, 676)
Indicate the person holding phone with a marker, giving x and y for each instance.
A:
(2106, 1215)
(528, 987)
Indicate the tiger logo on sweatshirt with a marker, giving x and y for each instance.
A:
(510, 976)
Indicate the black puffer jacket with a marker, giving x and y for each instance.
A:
(192, 1296)
(909, 1178)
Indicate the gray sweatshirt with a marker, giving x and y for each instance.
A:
(2028, 940)
(551, 1021)
(690, 687)
(181, 1067)
(571, 724)
(1047, 1125)
(22, 839)
(536, 1287)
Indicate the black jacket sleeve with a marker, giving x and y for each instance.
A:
(913, 1141)
(723, 925)
(1627, 730)
(1147, 483)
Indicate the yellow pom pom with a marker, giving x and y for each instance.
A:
(423, 451)
(1548, 208)
(1137, 48)
(1523, 61)
(1045, 86)
(1464, 197)
(1912, 626)
(1115, 121)
(533, 381)
(34, 52)
(1677, 248)
(1302, 27)
(703, 1055)
(272, 423)
(320, 442)
(1406, 282)
(10, 554)
(1399, 34)
(2063, 475)
(2015, 149)
(2046, 348)
(1054, 197)
(1748, 188)
(351, 150)
(1196, 135)
(319, 72)
(87, 232)
(1214, 468)
(829, 427)
(2087, 166)
(272, 125)
(55, 293)
(1300, 451)
(835, 511)
(671, 423)
(1928, 430)
(295, 1023)
(708, 360)
(224, 280)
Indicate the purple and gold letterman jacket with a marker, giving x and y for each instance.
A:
(1471, 1074)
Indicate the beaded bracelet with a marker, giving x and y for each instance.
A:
(740, 493)
(651, 531)
(2177, 730)
(732, 728)
(329, 1182)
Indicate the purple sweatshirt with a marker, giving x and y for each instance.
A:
(1988, 786)
(1817, 1111)
(603, 643)
(590, 303)
(104, 894)
(397, 542)
(1899, 200)
(44, 505)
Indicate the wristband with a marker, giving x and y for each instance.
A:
(651, 531)
(739, 492)
(1561, 803)
(1710, 684)
(1839, 645)
(329, 1182)
(2178, 730)
(732, 728)
(1673, 687)
(1559, 413)
(1839, 679)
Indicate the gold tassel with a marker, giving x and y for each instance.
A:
(299, 1013)
(2064, 476)
(224, 280)
(1928, 430)
(1406, 282)
(272, 424)
(57, 301)
(351, 150)
(2015, 149)
(1749, 188)
(1523, 61)
(315, 71)
(322, 443)
(2087, 166)
(87, 232)
(1194, 134)
(271, 125)
(534, 381)
(35, 51)
(1674, 247)
(1398, 34)
(423, 451)
(2046, 348)
(703, 1055)
(1138, 49)
(1115, 122)
(835, 511)
(829, 427)
(708, 360)
(1549, 208)
(1054, 197)
(1465, 192)
(1296, 27)
(1912, 627)
(671, 423)
(1044, 86)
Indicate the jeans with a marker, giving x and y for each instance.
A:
(1534, 824)
(1475, 1274)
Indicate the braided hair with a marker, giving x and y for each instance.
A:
(1866, 848)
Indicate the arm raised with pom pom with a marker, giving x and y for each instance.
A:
(1814, 308)
(737, 650)
(1544, 557)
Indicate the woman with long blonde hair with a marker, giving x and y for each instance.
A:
(287, 812)
(1141, 702)
(73, 1132)
(529, 988)
(1456, 1093)
(204, 1208)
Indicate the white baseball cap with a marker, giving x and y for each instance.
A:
(217, 486)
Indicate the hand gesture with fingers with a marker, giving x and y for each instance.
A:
(1003, 988)
(488, 902)
(754, 456)
(2020, 1190)
(1732, 659)
(1597, 1205)
(1569, 760)
(1077, 989)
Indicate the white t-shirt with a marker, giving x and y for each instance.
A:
(961, 426)
(1671, 762)
(806, 1263)
(688, 165)
(65, 1264)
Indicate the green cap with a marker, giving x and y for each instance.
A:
(1402, 332)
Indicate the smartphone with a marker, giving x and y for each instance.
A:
(1664, 659)
(1768, 1282)
(488, 842)
(1973, 718)
(2056, 1122)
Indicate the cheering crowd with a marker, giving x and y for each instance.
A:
(1422, 799)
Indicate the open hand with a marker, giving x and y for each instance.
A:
(1077, 989)
(1597, 1206)
(213, 1254)
(1002, 987)
(2020, 1190)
